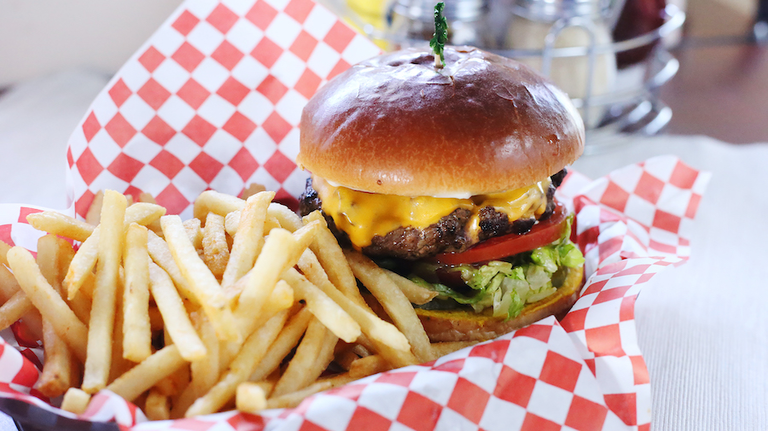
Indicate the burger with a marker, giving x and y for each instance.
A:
(447, 176)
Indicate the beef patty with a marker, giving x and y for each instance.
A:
(446, 235)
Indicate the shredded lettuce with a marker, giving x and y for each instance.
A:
(507, 286)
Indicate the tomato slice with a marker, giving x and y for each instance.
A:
(543, 233)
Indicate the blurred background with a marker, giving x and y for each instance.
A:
(692, 69)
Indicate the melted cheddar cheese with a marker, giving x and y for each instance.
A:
(364, 215)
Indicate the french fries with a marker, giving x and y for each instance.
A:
(48, 301)
(240, 369)
(394, 301)
(203, 284)
(246, 304)
(248, 238)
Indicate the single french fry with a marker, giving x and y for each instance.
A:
(82, 302)
(250, 398)
(249, 238)
(101, 326)
(205, 372)
(137, 333)
(194, 232)
(231, 222)
(4, 248)
(8, 289)
(161, 255)
(292, 400)
(367, 366)
(13, 309)
(204, 285)
(241, 368)
(251, 190)
(143, 213)
(147, 373)
(215, 248)
(285, 342)
(93, 215)
(157, 406)
(285, 216)
(441, 349)
(62, 225)
(413, 292)
(216, 202)
(175, 315)
(75, 401)
(86, 256)
(8, 285)
(394, 302)
(118, 363)
(147, 198)
(60, 368)
(330, 255)
(48, 301)
(82, 264)
(383, 336)
(323, 307)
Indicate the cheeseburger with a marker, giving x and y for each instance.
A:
(447, 177)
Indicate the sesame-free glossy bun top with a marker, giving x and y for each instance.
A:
(397, 125)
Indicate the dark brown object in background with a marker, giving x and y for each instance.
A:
(721, 89)
(637, 18)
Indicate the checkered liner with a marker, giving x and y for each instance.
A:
(212, 100)
(585, 372)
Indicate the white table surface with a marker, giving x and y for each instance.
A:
(702, 326)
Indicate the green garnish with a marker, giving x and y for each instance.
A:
(440, 37)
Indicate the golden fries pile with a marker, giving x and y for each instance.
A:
(247, 305)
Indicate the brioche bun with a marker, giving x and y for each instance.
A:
(482, 124)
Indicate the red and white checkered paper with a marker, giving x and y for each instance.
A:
(213, 100)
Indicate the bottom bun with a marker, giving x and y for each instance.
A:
(463, 325)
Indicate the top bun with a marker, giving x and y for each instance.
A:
(481, 124)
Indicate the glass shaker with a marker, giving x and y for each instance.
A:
(547, 25)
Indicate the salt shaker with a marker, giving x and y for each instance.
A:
(549, 24)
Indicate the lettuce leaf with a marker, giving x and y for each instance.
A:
(508, 287)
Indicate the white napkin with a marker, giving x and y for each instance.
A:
(703, 327)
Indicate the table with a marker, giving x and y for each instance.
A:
(701, 327)
(720, 72)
